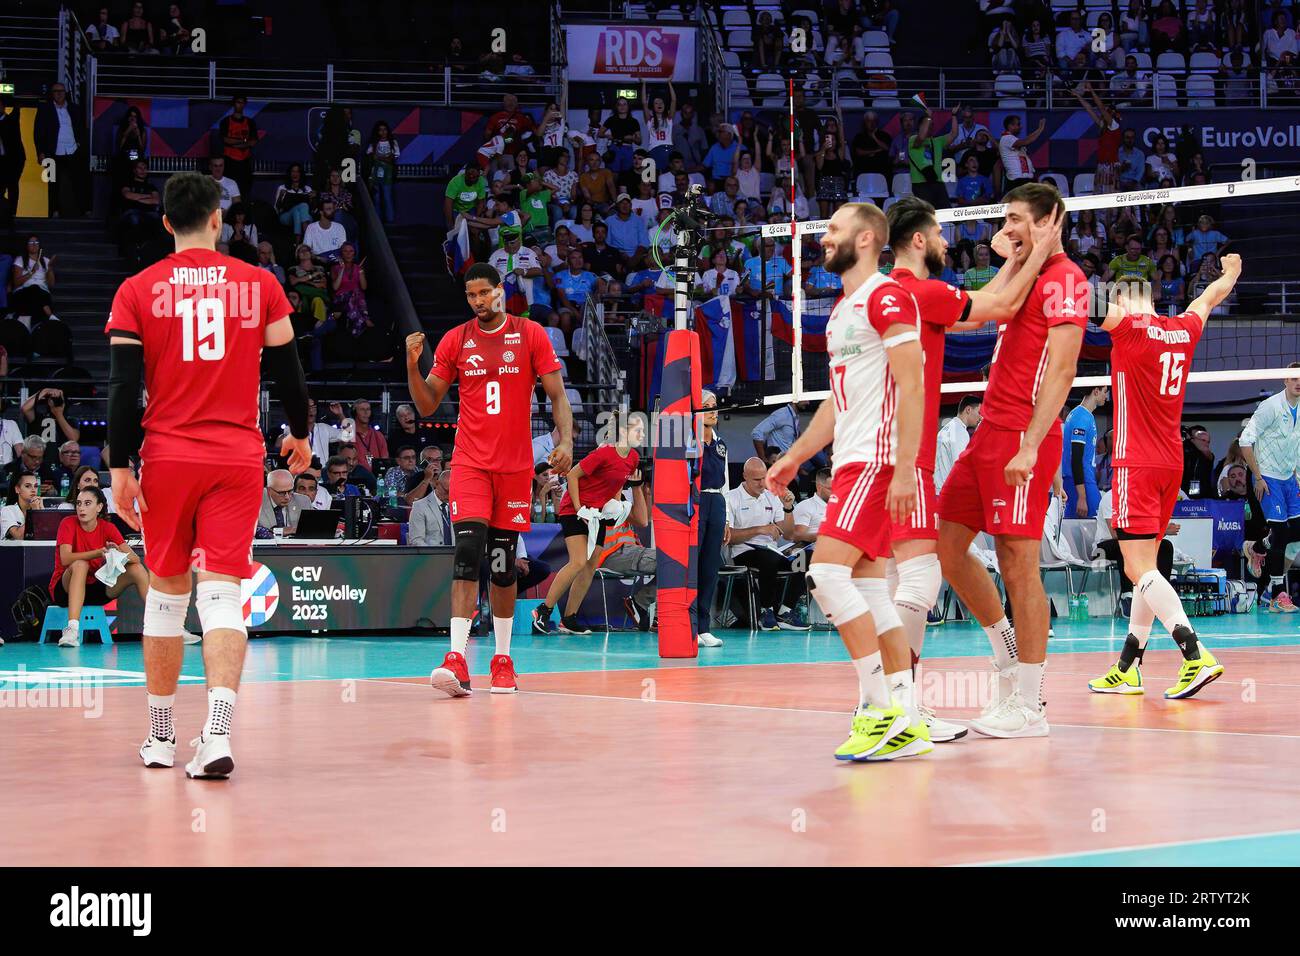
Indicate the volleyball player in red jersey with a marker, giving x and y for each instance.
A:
(198, 324)
(497, 359)
(1150, 357)
(919, 245)
(1002, 482)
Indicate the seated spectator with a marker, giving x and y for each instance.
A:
(1167, 30)
(1201, 26)
(1161, 163)
(602, 258)
(721, 159)
(266, 260)
(1074, 47)
(348, 280)
(102, 35)
(597, 184)
(293, 201)
(1207, 272)
(1206, 240)
(321, 434)
(718, 279)
(383, 154)
(627, 233)
(407, 432)
(1235, 26)
(281, 505)
(981, 273)
(31, 279)
(429, 467)
(24, 496)
(535, 207)
(84, 477)
(758, 526)
(229, 188)
(1087, 234)
(66, 469)
(239, 234)
(1134, 33)
(809, 513)
(1171, 290)
(174, 35)
(141, 218)
(1004, 47)
(307, 277)
(336, 479)
(80, 548)
(137, 32)
(1278, 39)
(358, 473)
(405, 474)
(46, 411)
(973, 189)
(325, 237)
(308, 486)
(430, 520)
(1131, 84)
(563, 184)
(1133, 265)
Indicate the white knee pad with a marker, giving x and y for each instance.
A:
(164, 614)
(875, 591)
(891, 576)
(918, 582)
(831, 585)
(220, 606)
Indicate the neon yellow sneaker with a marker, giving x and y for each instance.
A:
(872, 728)
(912, 742)
(1194, 675)
(1116, 681)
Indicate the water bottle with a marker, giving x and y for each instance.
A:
(1074, 608)
(381, 489)
(65, 484)
(1083, 608)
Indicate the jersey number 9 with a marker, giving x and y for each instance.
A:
(494, 398)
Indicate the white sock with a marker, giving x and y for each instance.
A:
(502, 627)
(904, 692)
(460, 634)
(74, 624)
(1030, 677)
(1163, 599)
(160, 716)
(873, 691)
(1003, 638)
(1140, 618)
(221, 710)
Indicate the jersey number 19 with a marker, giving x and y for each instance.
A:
(204, 323)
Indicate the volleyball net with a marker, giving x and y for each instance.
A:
(1248, 343)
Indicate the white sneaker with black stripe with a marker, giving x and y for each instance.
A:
(158, 753)
(212, 759)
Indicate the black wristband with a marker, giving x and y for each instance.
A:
(290, 384)
(126, 365)
(789, 511)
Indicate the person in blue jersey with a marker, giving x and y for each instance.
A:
(1078, 458)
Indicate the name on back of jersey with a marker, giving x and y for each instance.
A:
(1173, 336)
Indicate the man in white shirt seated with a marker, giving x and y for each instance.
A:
(308, 485)
(758, 525)
(325, 236)
(543, 445)
(954, 436)
(320, 434)
(229, 188)
(430, 521)
(808, 514)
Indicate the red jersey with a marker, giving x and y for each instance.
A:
(941, 306)
(72, 533)
(1150, 357)
(201, 317)
(509, 125)
(1059, 297)
(604, 472)
(497, 372)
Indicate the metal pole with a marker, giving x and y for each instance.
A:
(681, 286)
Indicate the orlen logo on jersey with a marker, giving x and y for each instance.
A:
(888, 301)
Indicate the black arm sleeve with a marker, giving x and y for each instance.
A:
(126, 364)
(290, 384)
(1076, 462)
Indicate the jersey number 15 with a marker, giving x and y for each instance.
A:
(1171, 375)
(203, 322)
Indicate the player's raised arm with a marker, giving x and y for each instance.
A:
(280, 350)
(426, 393)
(1219, 289)
(819, 433)
(561, 458)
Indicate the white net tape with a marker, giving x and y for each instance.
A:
(1211, 191)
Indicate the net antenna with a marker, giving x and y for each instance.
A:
(1179, 194)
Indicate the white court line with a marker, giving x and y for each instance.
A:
(1132, 847)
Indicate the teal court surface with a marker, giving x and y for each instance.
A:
(610, 755)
